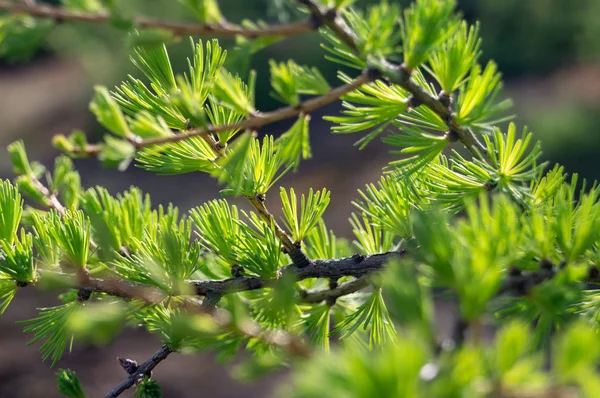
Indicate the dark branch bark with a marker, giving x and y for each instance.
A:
(330, 295)
(222, 29)
(520, 283)
(357, 266)
(142, 370)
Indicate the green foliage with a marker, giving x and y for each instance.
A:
(294, 144)
(69, 384)
(16, 259)
(510, 244)
(72, 233)
(21, 36)
(221, 231)
(382, 104)
(205, 10)
(456, 57)
(261, 169)
(372, 316)
(316, 323)
(376, 32)
(116, 222)
(371, 238)
(425, 26)
(289, 80)
(218, 227)
(8, 289)
(98, 322)
(11, 209)
(164, 256)
(392, 370)
(311, 209)
(388, 205)
(476, 105)
(51, 326)
(148, 388)
(109, 113)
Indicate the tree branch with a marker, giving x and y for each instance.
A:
(53, 201)
(398, 74)
(330, 295)
(142, 370)
(222, 29)
(357, 266)
(262, 119)
(292, 249)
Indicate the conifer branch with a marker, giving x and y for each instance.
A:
(330, 18)
(221, 29)
(294, 250)
(52, 200)
(262, 119)
(139, 372)
(330, 295)
(398, 74)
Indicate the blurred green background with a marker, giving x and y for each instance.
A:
(548, 50)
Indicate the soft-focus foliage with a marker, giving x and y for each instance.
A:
(512, 244)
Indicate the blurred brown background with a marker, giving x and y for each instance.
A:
(548, 51)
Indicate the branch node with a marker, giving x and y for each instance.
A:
(358, 258)
(333, 283)
(298, 257)
(129, 365)
(445, 99)
(21, 284)
(546, 265)
(331, 14)
(316, 21)
(83, 295)
(413, 102)
(490, 185)
(452, 135)
(373, 73)
(237, 270)
(593, 272)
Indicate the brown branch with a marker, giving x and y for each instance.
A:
(293, 249)
(398, 74)
(222, 29)
(330, 295)
(331, 19)
(140, 371)
(53, 201)
(357, 266)
(119, 288)
(262, 119)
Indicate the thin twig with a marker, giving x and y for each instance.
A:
(53, 201)
(294, 250)
(222, 29)
(262, 119)
(330, 295)
(142, 370)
